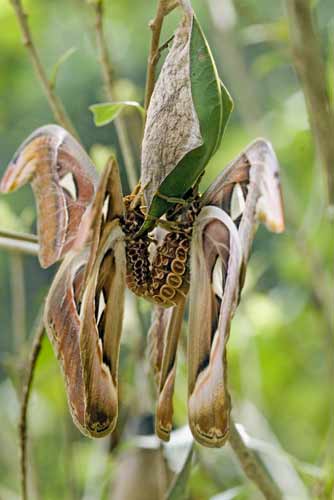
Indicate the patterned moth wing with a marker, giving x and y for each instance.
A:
(216, 260)
(249, 191)
(63, 180)
(84, 312)
(163, 339)
(156, 340)
(246, 193)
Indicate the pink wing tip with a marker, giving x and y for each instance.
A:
(277, 226)
(7, 183)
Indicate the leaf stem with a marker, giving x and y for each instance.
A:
(55, 102)
(107, 75)
(163, 9)
(252, 467)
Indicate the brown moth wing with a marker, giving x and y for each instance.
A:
(107, 206)
(62, 322)
(156, 340)
(64, 181)
(86, 340)
(215, 271)
(94, 322)
(172, 324)
(249, 191)
(100, 331)
(103, 304)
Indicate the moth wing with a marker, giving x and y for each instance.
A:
(251, 180)
(163, 341)
(64, 181)
(215, 272)
(106, 206)
(62, 321)
(156, 340)
(100, 332)
(84, 312)
(103, 304)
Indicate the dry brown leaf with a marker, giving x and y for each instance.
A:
(172, 128)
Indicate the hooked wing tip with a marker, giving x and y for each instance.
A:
(8, 184)
(277, 227)
(272, 219)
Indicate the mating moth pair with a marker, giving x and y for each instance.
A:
(165, 241)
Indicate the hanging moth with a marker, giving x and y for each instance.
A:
(79, 219)
(164, 241)
(247, 192)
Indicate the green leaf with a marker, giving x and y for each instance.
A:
(178, 489)
(107, 112)
(213, 105)
(58, 64)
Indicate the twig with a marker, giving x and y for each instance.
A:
(18, 236)
(18, 242)
(252, 467)
(163, 9)
(106, 68)
(36, 347)
(54, 101)
(17, 245)
(312, 73)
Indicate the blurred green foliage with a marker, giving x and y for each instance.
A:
(280, 350)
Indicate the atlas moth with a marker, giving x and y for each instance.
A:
(198, 251)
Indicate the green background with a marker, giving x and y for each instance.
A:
(281, 350)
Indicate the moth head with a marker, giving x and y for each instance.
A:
(269, 208)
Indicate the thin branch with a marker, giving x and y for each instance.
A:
(252, 467)
(107, 74)
(19, 236)
(17, 245)
(312, 74)
(14, 241)
(36, 347)
(54, 101)
(163, 9)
